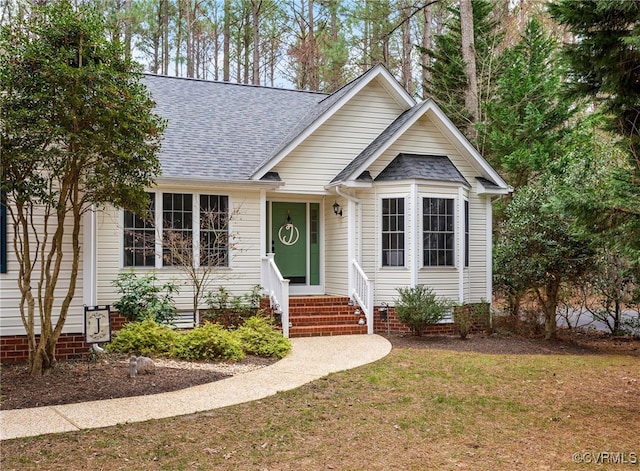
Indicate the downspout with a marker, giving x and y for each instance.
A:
(489, 219)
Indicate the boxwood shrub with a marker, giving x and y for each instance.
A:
(259, 337)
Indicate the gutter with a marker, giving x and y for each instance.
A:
(191, 181)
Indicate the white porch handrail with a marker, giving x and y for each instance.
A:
(277, 288)
(362, 293)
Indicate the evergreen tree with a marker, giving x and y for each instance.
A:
(448, 81)
(527, 118)
(604, 65)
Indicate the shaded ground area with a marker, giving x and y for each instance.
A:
(107, 378)
(574, 342)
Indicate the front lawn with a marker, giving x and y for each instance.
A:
(418, 408)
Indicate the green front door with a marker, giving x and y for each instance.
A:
(289, 236)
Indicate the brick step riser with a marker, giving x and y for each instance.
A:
(329, 302)
(319, 331)
(328, 311)
(324, 320)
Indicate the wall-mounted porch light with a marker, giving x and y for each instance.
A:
(337, 210)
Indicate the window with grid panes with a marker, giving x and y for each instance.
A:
(214, 230)
(438, 225)
(393, 236)
(177, 226)
(139, 237)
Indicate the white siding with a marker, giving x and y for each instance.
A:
(336, 248)
(424, 137)
(10, 320)
(239, 278)
(325, 153)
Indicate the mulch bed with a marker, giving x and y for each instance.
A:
(108, 378)
(79, 381)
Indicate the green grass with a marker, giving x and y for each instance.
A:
(415, 410)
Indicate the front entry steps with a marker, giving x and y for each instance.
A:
(315, 316)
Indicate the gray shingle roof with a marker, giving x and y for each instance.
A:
(428, 167)
(376, 144)
(223, 131)
(488, 183)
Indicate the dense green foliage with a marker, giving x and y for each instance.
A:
(539, 249)
(604, 67)
(146, 337)
(209, 342)
(143, 297)
(448, 80)
(259, 337)
(78, 130)
(528, 117)
(418, 306)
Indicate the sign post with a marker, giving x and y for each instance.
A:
(97, 324)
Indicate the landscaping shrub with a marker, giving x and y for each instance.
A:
(232, 311)
(144, 338)
(209, 342)
(142, 297)
(419, 307)
(470, 315)
(258, 336)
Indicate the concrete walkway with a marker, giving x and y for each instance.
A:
(310, 359)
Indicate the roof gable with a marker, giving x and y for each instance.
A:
(329, 107)
(396, 129)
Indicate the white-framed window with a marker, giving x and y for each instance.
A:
(214, 230)
(194, 229)
(177, 229)
(393, 232)
(438, 232)
(139, 237)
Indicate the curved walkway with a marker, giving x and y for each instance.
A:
(311, 358)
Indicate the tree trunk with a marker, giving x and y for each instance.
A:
(178, 39)
(255, 21)
(407, 47)
(469, 58)
(156, 35)
(427, 44)
(165, 37)
(226, 42)
(549, 302)
(246, 43)
(127, 28)
(311, 58)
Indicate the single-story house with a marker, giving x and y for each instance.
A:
(340, 197)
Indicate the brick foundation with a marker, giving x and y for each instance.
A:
(311, 316)
(15, 348)
(392, 324)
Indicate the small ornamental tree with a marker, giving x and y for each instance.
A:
(78, 131)
(538, 249)
(419, 307)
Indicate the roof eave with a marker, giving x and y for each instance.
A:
(218, 183)
(481, 190)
